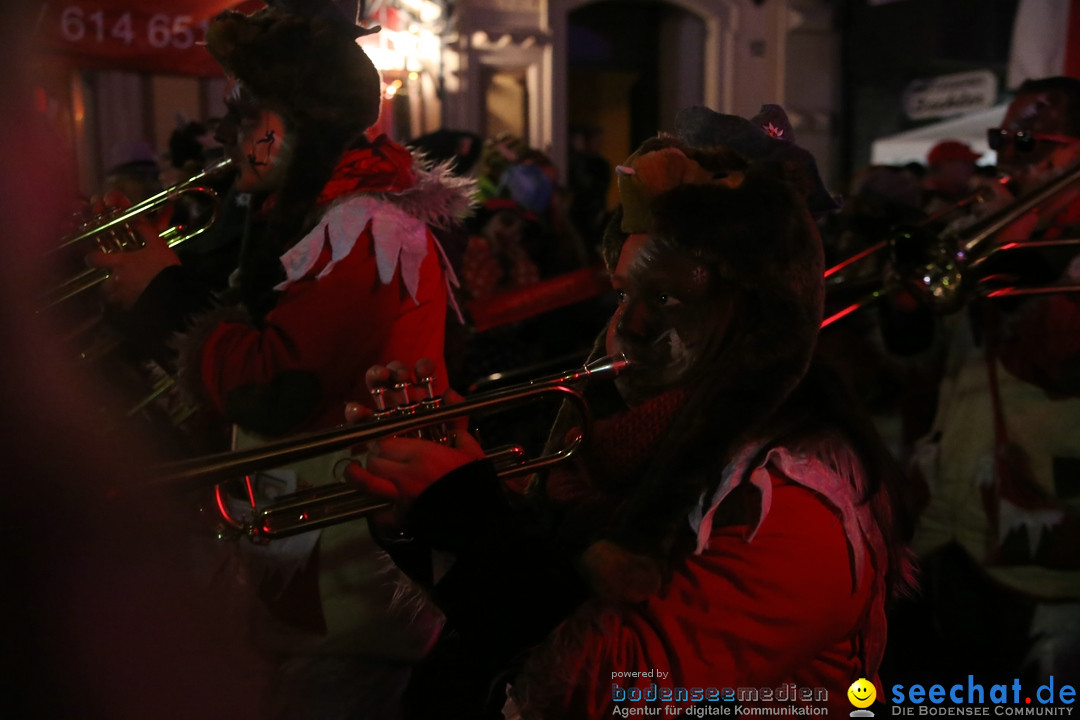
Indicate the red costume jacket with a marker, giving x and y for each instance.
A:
(783, 598)
(368, 284)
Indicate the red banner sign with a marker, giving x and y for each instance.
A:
(164, 36)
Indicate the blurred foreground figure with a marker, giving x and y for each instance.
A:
(730, 523)
(102, 617)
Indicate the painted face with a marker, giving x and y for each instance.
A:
(1043, 113)
(671, 314)
(260, 151)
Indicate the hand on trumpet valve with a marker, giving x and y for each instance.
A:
(394, 389)
(399, 469)
(133, 254)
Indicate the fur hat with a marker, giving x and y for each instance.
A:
(749, 222)
(304, 64)
(766, 139)
(298, 58)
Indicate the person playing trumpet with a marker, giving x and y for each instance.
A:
(730, 525)
(350, 269)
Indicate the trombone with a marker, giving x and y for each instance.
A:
(338, 502)
(944, 269)
(112, 232)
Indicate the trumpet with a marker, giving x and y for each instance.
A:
(946, 270)
(338, 502)
(113, 233)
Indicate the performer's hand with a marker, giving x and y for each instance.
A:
(399, 469)
(130, 272)
(382, 379)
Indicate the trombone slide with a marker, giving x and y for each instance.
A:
(946, 273)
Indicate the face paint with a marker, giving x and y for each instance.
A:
(260, 151)
(671, 315)
(676, 348)
(267, 146)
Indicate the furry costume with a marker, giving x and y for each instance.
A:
(732, 531)
(769, 253)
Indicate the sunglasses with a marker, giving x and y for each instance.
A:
(1024, 141)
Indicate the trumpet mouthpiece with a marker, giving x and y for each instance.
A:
(610, 365)
(603, 367)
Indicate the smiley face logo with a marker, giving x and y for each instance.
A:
(862, 693)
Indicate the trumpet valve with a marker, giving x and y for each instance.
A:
(438, 433)
(118, 238)
(403, 388)
(378, 398)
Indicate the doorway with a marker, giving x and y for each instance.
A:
(630, 67)
(506, 102)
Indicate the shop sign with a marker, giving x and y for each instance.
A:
(947, 95)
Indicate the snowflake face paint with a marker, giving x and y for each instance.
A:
(672, 312)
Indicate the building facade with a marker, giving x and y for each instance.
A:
(531, 68)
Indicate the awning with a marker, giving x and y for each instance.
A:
(914, 145)
(163, 36)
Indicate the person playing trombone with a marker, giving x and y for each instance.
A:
(730, 525)
(999, 535)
